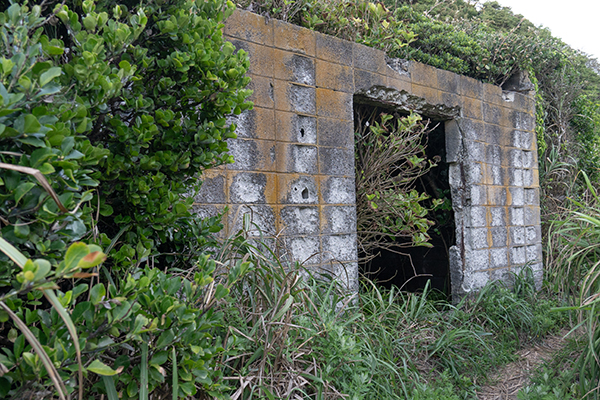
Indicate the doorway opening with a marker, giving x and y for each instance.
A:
(395, 259)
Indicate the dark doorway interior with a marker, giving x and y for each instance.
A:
(416, 265)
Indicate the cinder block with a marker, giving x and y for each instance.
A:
(430, 94)
(338, 190)
(517, 255)
(528, 159)
(499, 258)
(398, 68)
(494, 154)
(294, 38)
(515, 176)
(335, 50)
(498, 215)
(248, 26)
(470, 87)
(471, 129)
(364, 80)
(249, 187)
(294, 67)
(523, 121)
(300, 220)
(339, 247)
(203, 211)
(532, 196)
(492, 94)
(301, 99)
(517, 235)
(400, 83)
(534, 253)
(257, 123)
(454, 141)
(295, 189)
(516, 197)
(336, 162)
(339, 219)
(451, 99)
(531, 235)
(263, 91)
(478, 216)
(492, 114)
(492, 134)
(527, 177)
(334, 104)
(369, 59)
(474, 281)
(246, 154)
(262, 218)
(499, 236)
(296, 128)
(494, 174)
(305, 250)
(297, 158)
(424, 75)
(447, 81)
(479, 238)
(212, 191)
(260, 56)
(335, 133)
(501, 274)
(478, 195)
(474, 174)
(475, 151)
(516, 158)
(334, 76)
(517, 216)
(477, 260)
(532, 215)
(527, 140)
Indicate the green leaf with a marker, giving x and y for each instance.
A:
(221, 292)
(22, 190)
(31, 124)
(74, 254)
(48, 75)
(165, 339)
(97, 293)
(100, 368)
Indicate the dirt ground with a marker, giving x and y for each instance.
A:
(507, 382)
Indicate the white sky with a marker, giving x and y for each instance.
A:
(576, 22)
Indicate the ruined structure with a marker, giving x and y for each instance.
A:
(294, 157)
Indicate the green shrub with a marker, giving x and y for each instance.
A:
(109, 113)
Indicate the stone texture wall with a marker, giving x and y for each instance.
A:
(294, 168)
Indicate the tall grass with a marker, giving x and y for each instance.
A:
(297, 334)
(573, 255)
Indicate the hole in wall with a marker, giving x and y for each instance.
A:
(305, 193)
(397, 262)
(302, 132)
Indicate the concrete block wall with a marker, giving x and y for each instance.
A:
(294, 168)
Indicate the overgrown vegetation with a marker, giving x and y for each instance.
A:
(110, 287)
(391, 213)
(109, 112)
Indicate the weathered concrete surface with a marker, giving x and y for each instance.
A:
(294, 168)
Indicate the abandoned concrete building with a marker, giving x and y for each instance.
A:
(294, 155)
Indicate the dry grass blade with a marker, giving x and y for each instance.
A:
(40, 178)
(35, 344)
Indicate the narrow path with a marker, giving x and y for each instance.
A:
(510, 379)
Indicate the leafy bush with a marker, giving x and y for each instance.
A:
(108, 116)
(391, 214)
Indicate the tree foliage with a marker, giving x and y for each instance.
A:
(117, 108)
